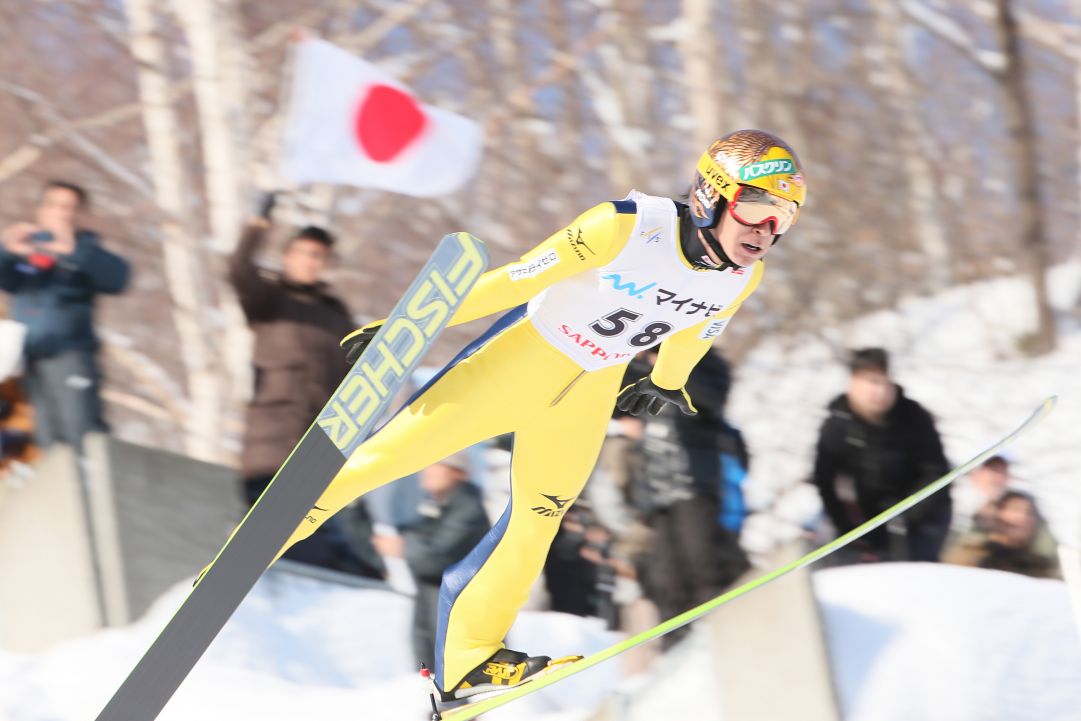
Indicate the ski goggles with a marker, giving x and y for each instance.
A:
(754, 206)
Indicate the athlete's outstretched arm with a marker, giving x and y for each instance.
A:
(680, 353)
(592, 240)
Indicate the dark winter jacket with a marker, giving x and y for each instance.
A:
(445, 533)
(683, 453)
(297, 360)
(884, 462)
(57, 303)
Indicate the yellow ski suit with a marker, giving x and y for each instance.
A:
(513, 380)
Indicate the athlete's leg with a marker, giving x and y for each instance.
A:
(553, 456)
(476, 398)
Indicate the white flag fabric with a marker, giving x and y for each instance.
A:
(351, 123)
(12, 335)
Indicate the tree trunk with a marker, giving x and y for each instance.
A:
(202, 425)
(200, 20)
(703, 72)
(219, 85)
(921, 186)
(1021, 134)
(1075, 5)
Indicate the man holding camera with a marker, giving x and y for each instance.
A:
(54, 270)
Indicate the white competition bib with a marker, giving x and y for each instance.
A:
(605, 316)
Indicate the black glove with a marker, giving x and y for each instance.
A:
(266, 205)
(647, 395)
(355, 343)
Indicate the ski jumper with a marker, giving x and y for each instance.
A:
(585, 301)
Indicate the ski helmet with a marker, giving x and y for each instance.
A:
(752, 158)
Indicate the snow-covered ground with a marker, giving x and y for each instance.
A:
(297, 648)
(908, 641)
(936, 642)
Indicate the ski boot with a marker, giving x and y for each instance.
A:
(502, 672)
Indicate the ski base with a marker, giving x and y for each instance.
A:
(344, 423)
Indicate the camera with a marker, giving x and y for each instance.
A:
(41, 260)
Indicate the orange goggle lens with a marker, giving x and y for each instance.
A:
(754, 206)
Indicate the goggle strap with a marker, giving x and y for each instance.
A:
(716, 176)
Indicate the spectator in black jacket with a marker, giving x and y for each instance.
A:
(54, 270)
(452, 521)
(876, 447)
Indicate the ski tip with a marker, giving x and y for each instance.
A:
(468, 244)
(1048, 405)
(466, 237)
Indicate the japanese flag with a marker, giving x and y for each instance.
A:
(353, 124)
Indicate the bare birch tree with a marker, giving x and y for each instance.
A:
(202, 425)
(220, 96)
(920, 196)
(1021, 129)
(1006, 63)
(702, 69)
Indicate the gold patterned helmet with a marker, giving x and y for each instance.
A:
(748, 159)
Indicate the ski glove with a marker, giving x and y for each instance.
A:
(647, 395)
(355, 343)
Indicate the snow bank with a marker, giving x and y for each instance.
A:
(296, 648)
(907, 641)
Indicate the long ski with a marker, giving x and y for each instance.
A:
(343, 424)
(473, 710)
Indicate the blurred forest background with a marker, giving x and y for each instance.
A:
(940, 141)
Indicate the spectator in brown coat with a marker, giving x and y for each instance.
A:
(297, 324)
(976, 492)
(1007, 540)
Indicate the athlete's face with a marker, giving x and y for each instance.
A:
(744, 244)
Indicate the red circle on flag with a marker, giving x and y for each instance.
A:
(387, 122)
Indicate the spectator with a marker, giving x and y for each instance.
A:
(579, 572)
(54, 270)
(452, 521)
(1009, 542)
(977, 491)
(693, 557)
(735, 461)
(609, 491)
(297, 324)
(876, 447)
(618, 542)
(16, 426)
